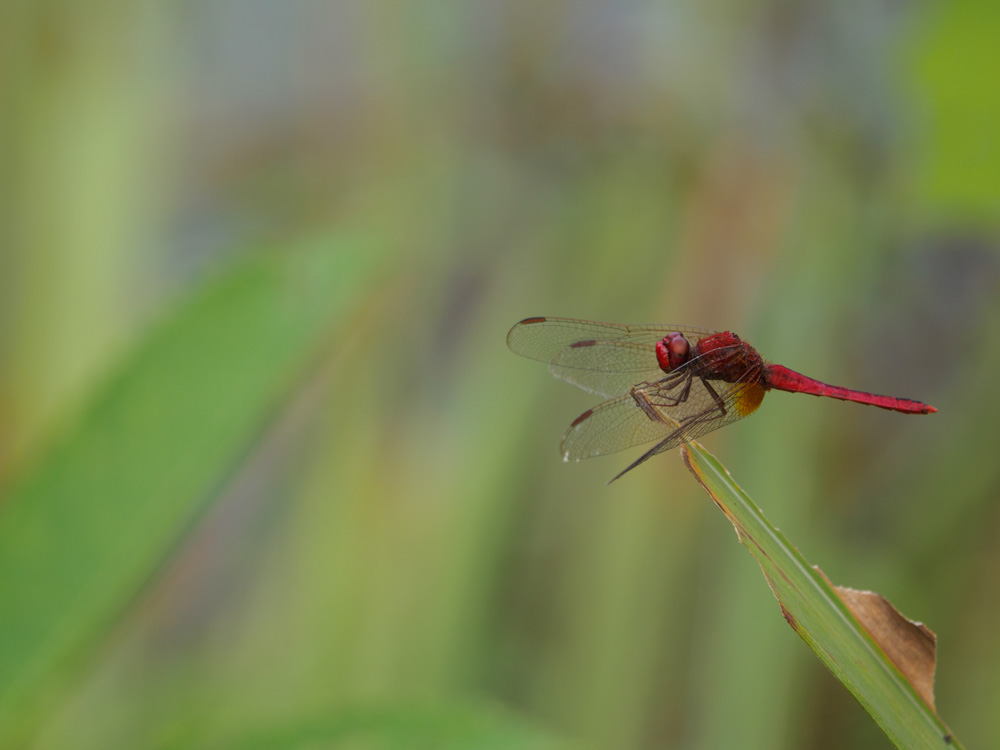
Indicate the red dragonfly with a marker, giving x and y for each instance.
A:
(665, 383)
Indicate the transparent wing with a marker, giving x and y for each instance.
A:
(611, 427)
(603, 358)
(638, 364)
(669, 411)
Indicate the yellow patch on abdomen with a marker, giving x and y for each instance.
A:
(748, 398)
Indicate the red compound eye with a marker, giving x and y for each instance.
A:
(672, 351)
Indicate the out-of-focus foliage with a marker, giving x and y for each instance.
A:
(397, 555)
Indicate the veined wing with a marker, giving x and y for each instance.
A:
(611, 427)
(702, 424)
(670, 411)
(603, 358)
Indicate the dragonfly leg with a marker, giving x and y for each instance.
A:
(718, 401)
(643, 401)
(665, 385)
(675, 437)
(648, 406)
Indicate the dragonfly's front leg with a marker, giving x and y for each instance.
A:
(641, 397)
(710, 414)
(665, 386)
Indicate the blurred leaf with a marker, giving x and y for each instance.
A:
(818, 614)
(85, 529)
(456, 727)
(957, 159)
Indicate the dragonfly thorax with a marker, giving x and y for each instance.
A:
(723, 356)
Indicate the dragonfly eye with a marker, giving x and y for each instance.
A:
(679, 348)
(672, 351)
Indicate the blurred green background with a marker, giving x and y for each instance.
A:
(271, 477)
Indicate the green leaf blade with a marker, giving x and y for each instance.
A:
(816, 612)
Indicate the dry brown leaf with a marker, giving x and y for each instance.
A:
(911, 646)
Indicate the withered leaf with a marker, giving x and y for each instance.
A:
(911, 646)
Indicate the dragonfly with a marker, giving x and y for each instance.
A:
(663, 382)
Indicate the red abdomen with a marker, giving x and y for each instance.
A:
(783, 379)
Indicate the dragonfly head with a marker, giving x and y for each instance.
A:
(672, 351)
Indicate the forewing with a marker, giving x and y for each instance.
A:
(606, 367)
(603, 358)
